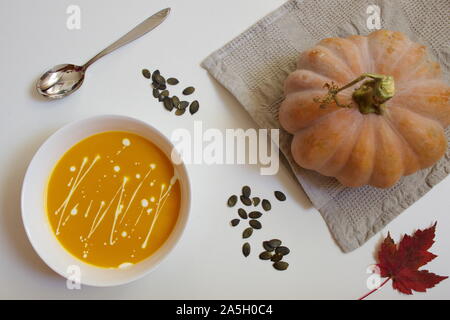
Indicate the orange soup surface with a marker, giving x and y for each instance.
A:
(113, 199)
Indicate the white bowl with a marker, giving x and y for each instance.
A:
(34, 214)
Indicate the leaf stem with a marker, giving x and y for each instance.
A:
(369, 293)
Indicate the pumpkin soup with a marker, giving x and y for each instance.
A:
(113, 199)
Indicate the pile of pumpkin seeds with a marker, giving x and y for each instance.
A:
(252, 217)
(275, 252)
(161, 92)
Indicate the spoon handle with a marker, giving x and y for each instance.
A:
(138, 31)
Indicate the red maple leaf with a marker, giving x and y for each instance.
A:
(401, 262)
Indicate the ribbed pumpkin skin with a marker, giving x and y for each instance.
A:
(356, 148)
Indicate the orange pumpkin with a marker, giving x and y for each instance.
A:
(366, 110)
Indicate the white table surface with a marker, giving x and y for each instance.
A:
(208, 263)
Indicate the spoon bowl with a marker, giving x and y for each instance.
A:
(60, 81)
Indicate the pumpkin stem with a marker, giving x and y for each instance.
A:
(370, 96)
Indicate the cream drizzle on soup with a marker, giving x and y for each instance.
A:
(113, 199)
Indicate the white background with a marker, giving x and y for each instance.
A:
(207, 264)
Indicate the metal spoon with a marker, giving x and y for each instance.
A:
(64, 79)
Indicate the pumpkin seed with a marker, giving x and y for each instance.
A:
(247, 233)
(180, 112)
(282, 250)
(194, 107)
(159, 79)
(188, 91)
(242, 213)
(234, 222)
(183, 105)
(232, 201)
(266, 205)
(156, 93)
(280, 196)
(162, 87)
(276, 257)
(266, 255)
(246, 191)
(175, 101)
(168, 103)
(256, 201)
(164, 93)
(255, 214)
(267, 246)
(246, 249)
(274, 243)
(281, 265)
(146, 73)
(155, 73)
(246, 200)
(173, 81)
(255, 224)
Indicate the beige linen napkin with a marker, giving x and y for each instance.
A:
(254, 65)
